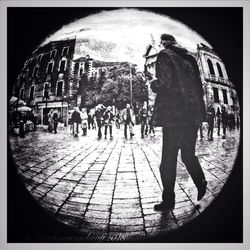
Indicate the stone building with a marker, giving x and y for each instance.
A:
(217, 88)
(44, 81)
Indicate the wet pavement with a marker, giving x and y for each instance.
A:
(108, 187)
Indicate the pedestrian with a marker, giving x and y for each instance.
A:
(224, 120)
(89, 120)
(179, 109)
(108, 119)
(21, 119)
(117, 120)
(143, 116)
(93, 124)
(70, 122)
(55, 119)
(76, 120)
(231, 120)
(84, 121)
(218, 117)
(151, 127)
(99, 119)
(201, 131)
(50, 122)
(210, 121)
(238, 122)
(128, 119)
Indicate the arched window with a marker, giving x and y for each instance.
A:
(211, 68)
(59, 91)
(46, 90)
(35, 71)
(32, 91)
(62, 66)
(219, 69)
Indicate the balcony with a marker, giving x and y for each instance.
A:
(218, 79)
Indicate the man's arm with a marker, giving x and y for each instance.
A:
(164, 70)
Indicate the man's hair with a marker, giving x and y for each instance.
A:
(168, 37)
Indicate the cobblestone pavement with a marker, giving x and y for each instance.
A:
(109, 187)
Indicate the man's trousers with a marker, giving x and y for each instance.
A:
(183, 138)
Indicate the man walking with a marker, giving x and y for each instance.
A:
(218, 115)
(143, 114)
(55, 119)
(76, 120)
(128, 118)
(210, 120)
(179, 109)
(99, 118)
(108, 118)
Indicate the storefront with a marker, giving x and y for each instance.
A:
(43, 109)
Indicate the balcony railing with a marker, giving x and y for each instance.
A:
(218, 79)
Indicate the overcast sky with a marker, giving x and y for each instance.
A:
(123, 35)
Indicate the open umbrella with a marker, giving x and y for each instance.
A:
(13, 102)
(24, 109)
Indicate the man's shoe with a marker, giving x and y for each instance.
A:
(202, 190)
(164, 206)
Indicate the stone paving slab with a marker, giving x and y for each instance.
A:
(108, 188)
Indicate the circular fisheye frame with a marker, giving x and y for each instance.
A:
(82, 134)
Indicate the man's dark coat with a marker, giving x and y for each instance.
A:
(179, 99)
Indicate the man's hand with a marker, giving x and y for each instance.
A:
(155, 85)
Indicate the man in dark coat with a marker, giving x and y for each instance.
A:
(99, 119)
(76, 120)
(143, 114)
(224, 120)
(179, 108)
(218, 115)
(210, 121)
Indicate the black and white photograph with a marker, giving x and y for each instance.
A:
(124, 124)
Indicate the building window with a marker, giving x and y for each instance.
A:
(81, 71)
(59, 88)
(62, 65)
(35, 71)
(46, 90)
(50, 68)
(32, 90)
(39, 58)
(65, 51)
(22, 94)
(211, 68)
(27, 73)
(219, 69)
(53, 53)
(216, 95)
(225, 96)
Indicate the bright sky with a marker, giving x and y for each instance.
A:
(123, 35)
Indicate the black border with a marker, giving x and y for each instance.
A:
(222, 28)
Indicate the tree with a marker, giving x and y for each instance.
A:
(112, 87)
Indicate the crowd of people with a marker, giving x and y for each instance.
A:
(221, 119)
(103, 119)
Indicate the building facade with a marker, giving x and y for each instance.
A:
(217, 87)
(44, 81)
